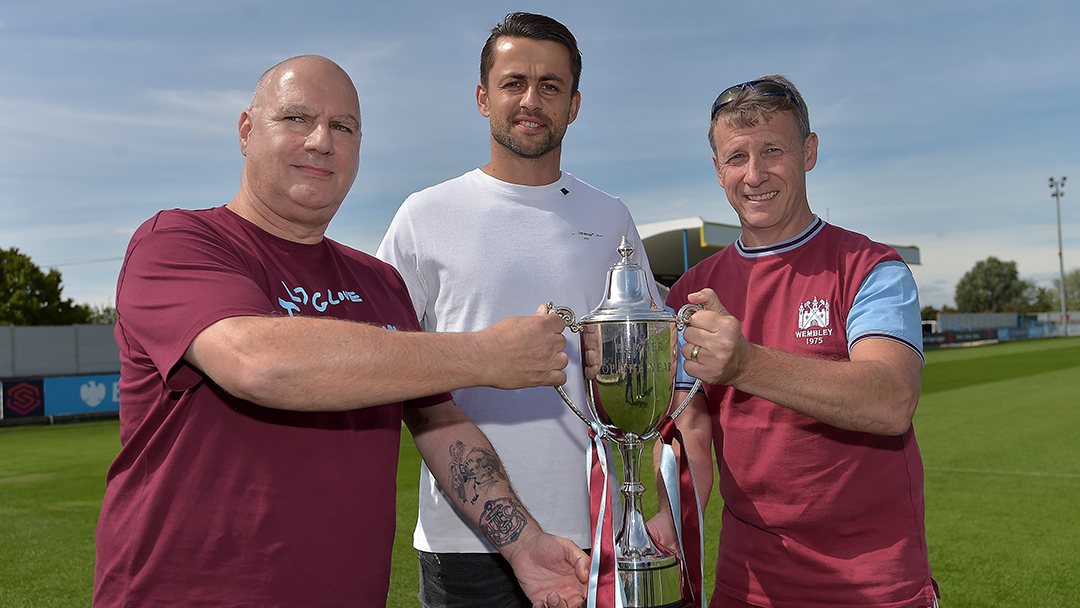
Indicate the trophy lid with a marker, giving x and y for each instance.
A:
(627, 297)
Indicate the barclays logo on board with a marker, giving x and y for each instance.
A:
(92, 393)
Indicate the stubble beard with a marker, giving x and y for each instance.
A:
(503, 134)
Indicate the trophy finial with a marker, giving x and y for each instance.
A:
(627, 294)
(625, 249)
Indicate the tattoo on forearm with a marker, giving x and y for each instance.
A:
(472, 470)
(502, 521)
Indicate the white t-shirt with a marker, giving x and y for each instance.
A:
(474, 250)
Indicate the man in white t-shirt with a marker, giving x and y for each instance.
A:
(513, 233)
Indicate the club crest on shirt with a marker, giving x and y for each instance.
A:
(813, 321)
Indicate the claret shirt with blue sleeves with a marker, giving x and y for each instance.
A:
(814, 515)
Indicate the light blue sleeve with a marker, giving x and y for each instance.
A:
(887, 306)
(683, 380)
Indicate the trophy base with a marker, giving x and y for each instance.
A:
(651, 583)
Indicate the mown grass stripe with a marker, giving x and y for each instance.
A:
(996, 364)
(1003, 473)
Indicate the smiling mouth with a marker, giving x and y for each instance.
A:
(530, 122)
(761, 197)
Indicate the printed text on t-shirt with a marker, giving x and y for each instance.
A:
(319, 300)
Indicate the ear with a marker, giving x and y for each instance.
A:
(575, 104)
(482, 101)
(719, 177)
(245, 127)
(810, 150)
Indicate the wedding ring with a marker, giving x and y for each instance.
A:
(693, 353)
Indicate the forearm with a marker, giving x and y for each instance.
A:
(875, 392)
(469, 471)
(308, 363)
(695, 425)
(328, 364)
(696, 429)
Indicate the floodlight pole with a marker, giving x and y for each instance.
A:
(1057, 186)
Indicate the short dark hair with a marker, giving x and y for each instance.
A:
(534, 27)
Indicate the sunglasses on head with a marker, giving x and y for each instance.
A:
(765, 86)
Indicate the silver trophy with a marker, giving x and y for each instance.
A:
(628, 356)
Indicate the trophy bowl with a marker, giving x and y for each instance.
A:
(628, 352)
(630, 387)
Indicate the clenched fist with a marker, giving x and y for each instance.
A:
(527, 351)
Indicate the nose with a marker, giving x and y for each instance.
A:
(756, 172)
(320, 139)
(531, 98)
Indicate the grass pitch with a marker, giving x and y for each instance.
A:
(998, 427)
(52, 481)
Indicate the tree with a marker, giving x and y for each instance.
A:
(102, 315)
(929, 313)
(1041, 299)
(1072, 291)
(29, 296)
(992, 286)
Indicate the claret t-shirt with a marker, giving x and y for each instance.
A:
(216, 501)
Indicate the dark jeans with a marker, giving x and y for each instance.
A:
(468, 580)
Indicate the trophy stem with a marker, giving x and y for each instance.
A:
(633, 540)
(648, 572)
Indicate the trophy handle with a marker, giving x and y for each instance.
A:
(570, 402)
(681, 321)
(567, 315)
(683, 318)
(689, 396)
(571, 322)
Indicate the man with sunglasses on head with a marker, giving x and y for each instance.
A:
(810, 350)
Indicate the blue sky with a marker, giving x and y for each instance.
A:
(940, 122)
